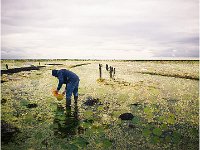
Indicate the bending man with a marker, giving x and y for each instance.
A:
(72, 82)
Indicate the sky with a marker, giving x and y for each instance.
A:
(99, 29)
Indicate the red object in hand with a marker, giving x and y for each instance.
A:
(55, 92)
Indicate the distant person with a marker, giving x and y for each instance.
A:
(72, 82)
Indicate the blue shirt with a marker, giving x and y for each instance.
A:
(66, 76)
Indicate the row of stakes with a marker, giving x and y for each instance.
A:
(110, 69)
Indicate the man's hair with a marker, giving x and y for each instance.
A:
(55, 73)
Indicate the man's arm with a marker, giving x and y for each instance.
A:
(61, 80)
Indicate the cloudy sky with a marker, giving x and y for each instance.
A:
(99, 29)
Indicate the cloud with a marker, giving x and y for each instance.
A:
(93, 29)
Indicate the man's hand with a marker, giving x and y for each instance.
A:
(55, 92)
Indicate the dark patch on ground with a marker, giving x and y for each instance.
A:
(132, 126)
(54, 64)
(171, 75)
(73, 66)
(136, 104)
(2, 81)
(7, 131)
(126, 116)
(16, 70)
(91, 101)
(31, 105)
(3, 101)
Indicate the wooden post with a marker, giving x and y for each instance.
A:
(111, 70)
(7, 66)
(107, 67)
(39, 63)
(100, 72)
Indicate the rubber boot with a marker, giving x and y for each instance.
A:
(68, 107)
(75, 99)
(68, 102)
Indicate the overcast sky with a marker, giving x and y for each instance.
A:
(99, 29)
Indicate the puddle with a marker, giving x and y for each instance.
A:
(66, 121)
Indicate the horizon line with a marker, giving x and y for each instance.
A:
(155, 59)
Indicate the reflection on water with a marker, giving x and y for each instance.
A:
(66, 123)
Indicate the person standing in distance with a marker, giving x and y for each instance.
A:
(72, 82)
